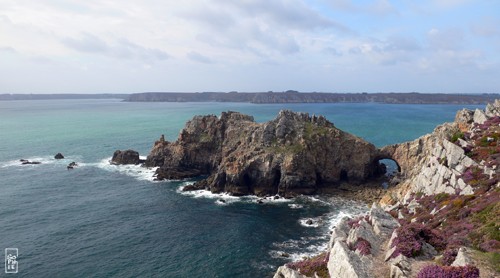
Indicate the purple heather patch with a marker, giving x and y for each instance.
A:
(436, 271)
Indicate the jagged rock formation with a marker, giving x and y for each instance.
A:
(292, 154)
(125, 157)
(432, 164)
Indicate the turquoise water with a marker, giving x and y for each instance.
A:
(102, 220)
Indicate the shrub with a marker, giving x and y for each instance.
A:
(310, 266)
(490, 245)
(410, 238)
(363, 246)
(457, 135)
(449, 256)
(354, 223)
(436, 271)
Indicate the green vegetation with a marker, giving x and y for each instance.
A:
(457, 135)
(311, 130)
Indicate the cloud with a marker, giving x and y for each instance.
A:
(260, 28)
(292, 14)
(87, 43)
(450, 3)
(486, 27)
(7, 49)
(121, 48)
(374, 7)
(197, 57)
(311, 44)
(449, 39)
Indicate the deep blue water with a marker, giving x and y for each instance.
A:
(107, 221)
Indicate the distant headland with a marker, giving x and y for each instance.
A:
(314, 97)
(289, 96)
(61, 96)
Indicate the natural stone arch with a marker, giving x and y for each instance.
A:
(398, 167)
(385, 156)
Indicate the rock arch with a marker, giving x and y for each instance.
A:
(385, 153)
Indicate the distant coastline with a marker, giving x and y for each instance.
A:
(273, 97)
(60, 96)
(313, 97)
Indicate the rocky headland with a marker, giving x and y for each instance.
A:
(439, 218)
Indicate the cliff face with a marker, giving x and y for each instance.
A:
(433, 164)
(292, 154)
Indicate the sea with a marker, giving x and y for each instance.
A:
(100, 220)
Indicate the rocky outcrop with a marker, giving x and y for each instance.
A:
(286, 272)
(432, 164)
(447, 180)
(350, 259)
(125, 157)
(293, 154)
(59, 156)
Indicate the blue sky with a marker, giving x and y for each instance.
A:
(108, 46)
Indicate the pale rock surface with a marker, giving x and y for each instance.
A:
(462, 258)
(479, 116)
(286, 272)
(344, 263)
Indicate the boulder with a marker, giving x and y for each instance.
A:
(345, 263)
(125, 157)
(382, 222)
(286, 272)
(462, 258)
(59, 156)
(479, 117)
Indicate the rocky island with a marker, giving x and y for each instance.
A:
(293, 154)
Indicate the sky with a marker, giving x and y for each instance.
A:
(126, 46)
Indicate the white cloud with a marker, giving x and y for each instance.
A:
(244, 45)
(197, 57)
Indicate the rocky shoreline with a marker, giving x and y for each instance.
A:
(442, 219)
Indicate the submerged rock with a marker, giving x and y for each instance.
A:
(27, 162)
(293, 154)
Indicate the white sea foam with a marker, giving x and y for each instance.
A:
(315, 222)
(310, 251)
(44, 160)
(221, 198)
(135, 171)
(295, 206)
(226, 198)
